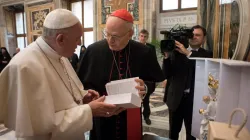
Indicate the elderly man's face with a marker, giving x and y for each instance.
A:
(117, 33)
(70, 40)
(198, 38)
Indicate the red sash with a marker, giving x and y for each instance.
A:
(134, 124)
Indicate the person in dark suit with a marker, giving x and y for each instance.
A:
(1, 59)
(83, 48)
(143, 37)
(74, 61)
(179, 72)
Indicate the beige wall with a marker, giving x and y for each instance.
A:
(165, 21)
(7, 41)
(153, 20)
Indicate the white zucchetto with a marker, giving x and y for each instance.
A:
(60, 19)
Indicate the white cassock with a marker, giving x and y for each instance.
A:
(37, 94)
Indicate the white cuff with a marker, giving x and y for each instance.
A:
(146, 88)
(146, 91)
(189, 55)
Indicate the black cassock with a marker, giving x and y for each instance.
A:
(99, 66)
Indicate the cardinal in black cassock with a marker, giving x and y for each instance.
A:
(118, 57)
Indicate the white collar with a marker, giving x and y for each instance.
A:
(191, 49)
(47, 49)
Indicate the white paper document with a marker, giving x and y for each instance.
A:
(123, 93)
(122, 86)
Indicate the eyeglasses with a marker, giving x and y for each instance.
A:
(115, 37)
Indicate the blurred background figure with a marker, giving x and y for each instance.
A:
(17, 51)
(83, 48)
(1, 59)
(5, 58)
(74, 61)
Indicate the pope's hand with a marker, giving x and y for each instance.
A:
(90, 96)
(101, 109)
(141, 87)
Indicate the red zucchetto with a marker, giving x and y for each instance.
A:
(123, 14)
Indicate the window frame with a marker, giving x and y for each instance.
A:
(24, 35)
(84, 29)
(176, 10)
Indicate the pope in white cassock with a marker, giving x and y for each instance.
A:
(41, 97)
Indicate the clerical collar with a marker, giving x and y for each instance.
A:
(116, 63)
(122, 50)
(47, 49)
(192, 49)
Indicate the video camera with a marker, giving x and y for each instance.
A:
(178, 33)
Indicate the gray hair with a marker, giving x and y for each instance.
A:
(48, 33)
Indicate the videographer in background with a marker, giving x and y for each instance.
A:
(180, 71)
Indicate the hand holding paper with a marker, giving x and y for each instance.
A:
(101, 109)
(141, 87)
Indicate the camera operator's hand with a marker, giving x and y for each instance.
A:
(181, 49)
(166, 55)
